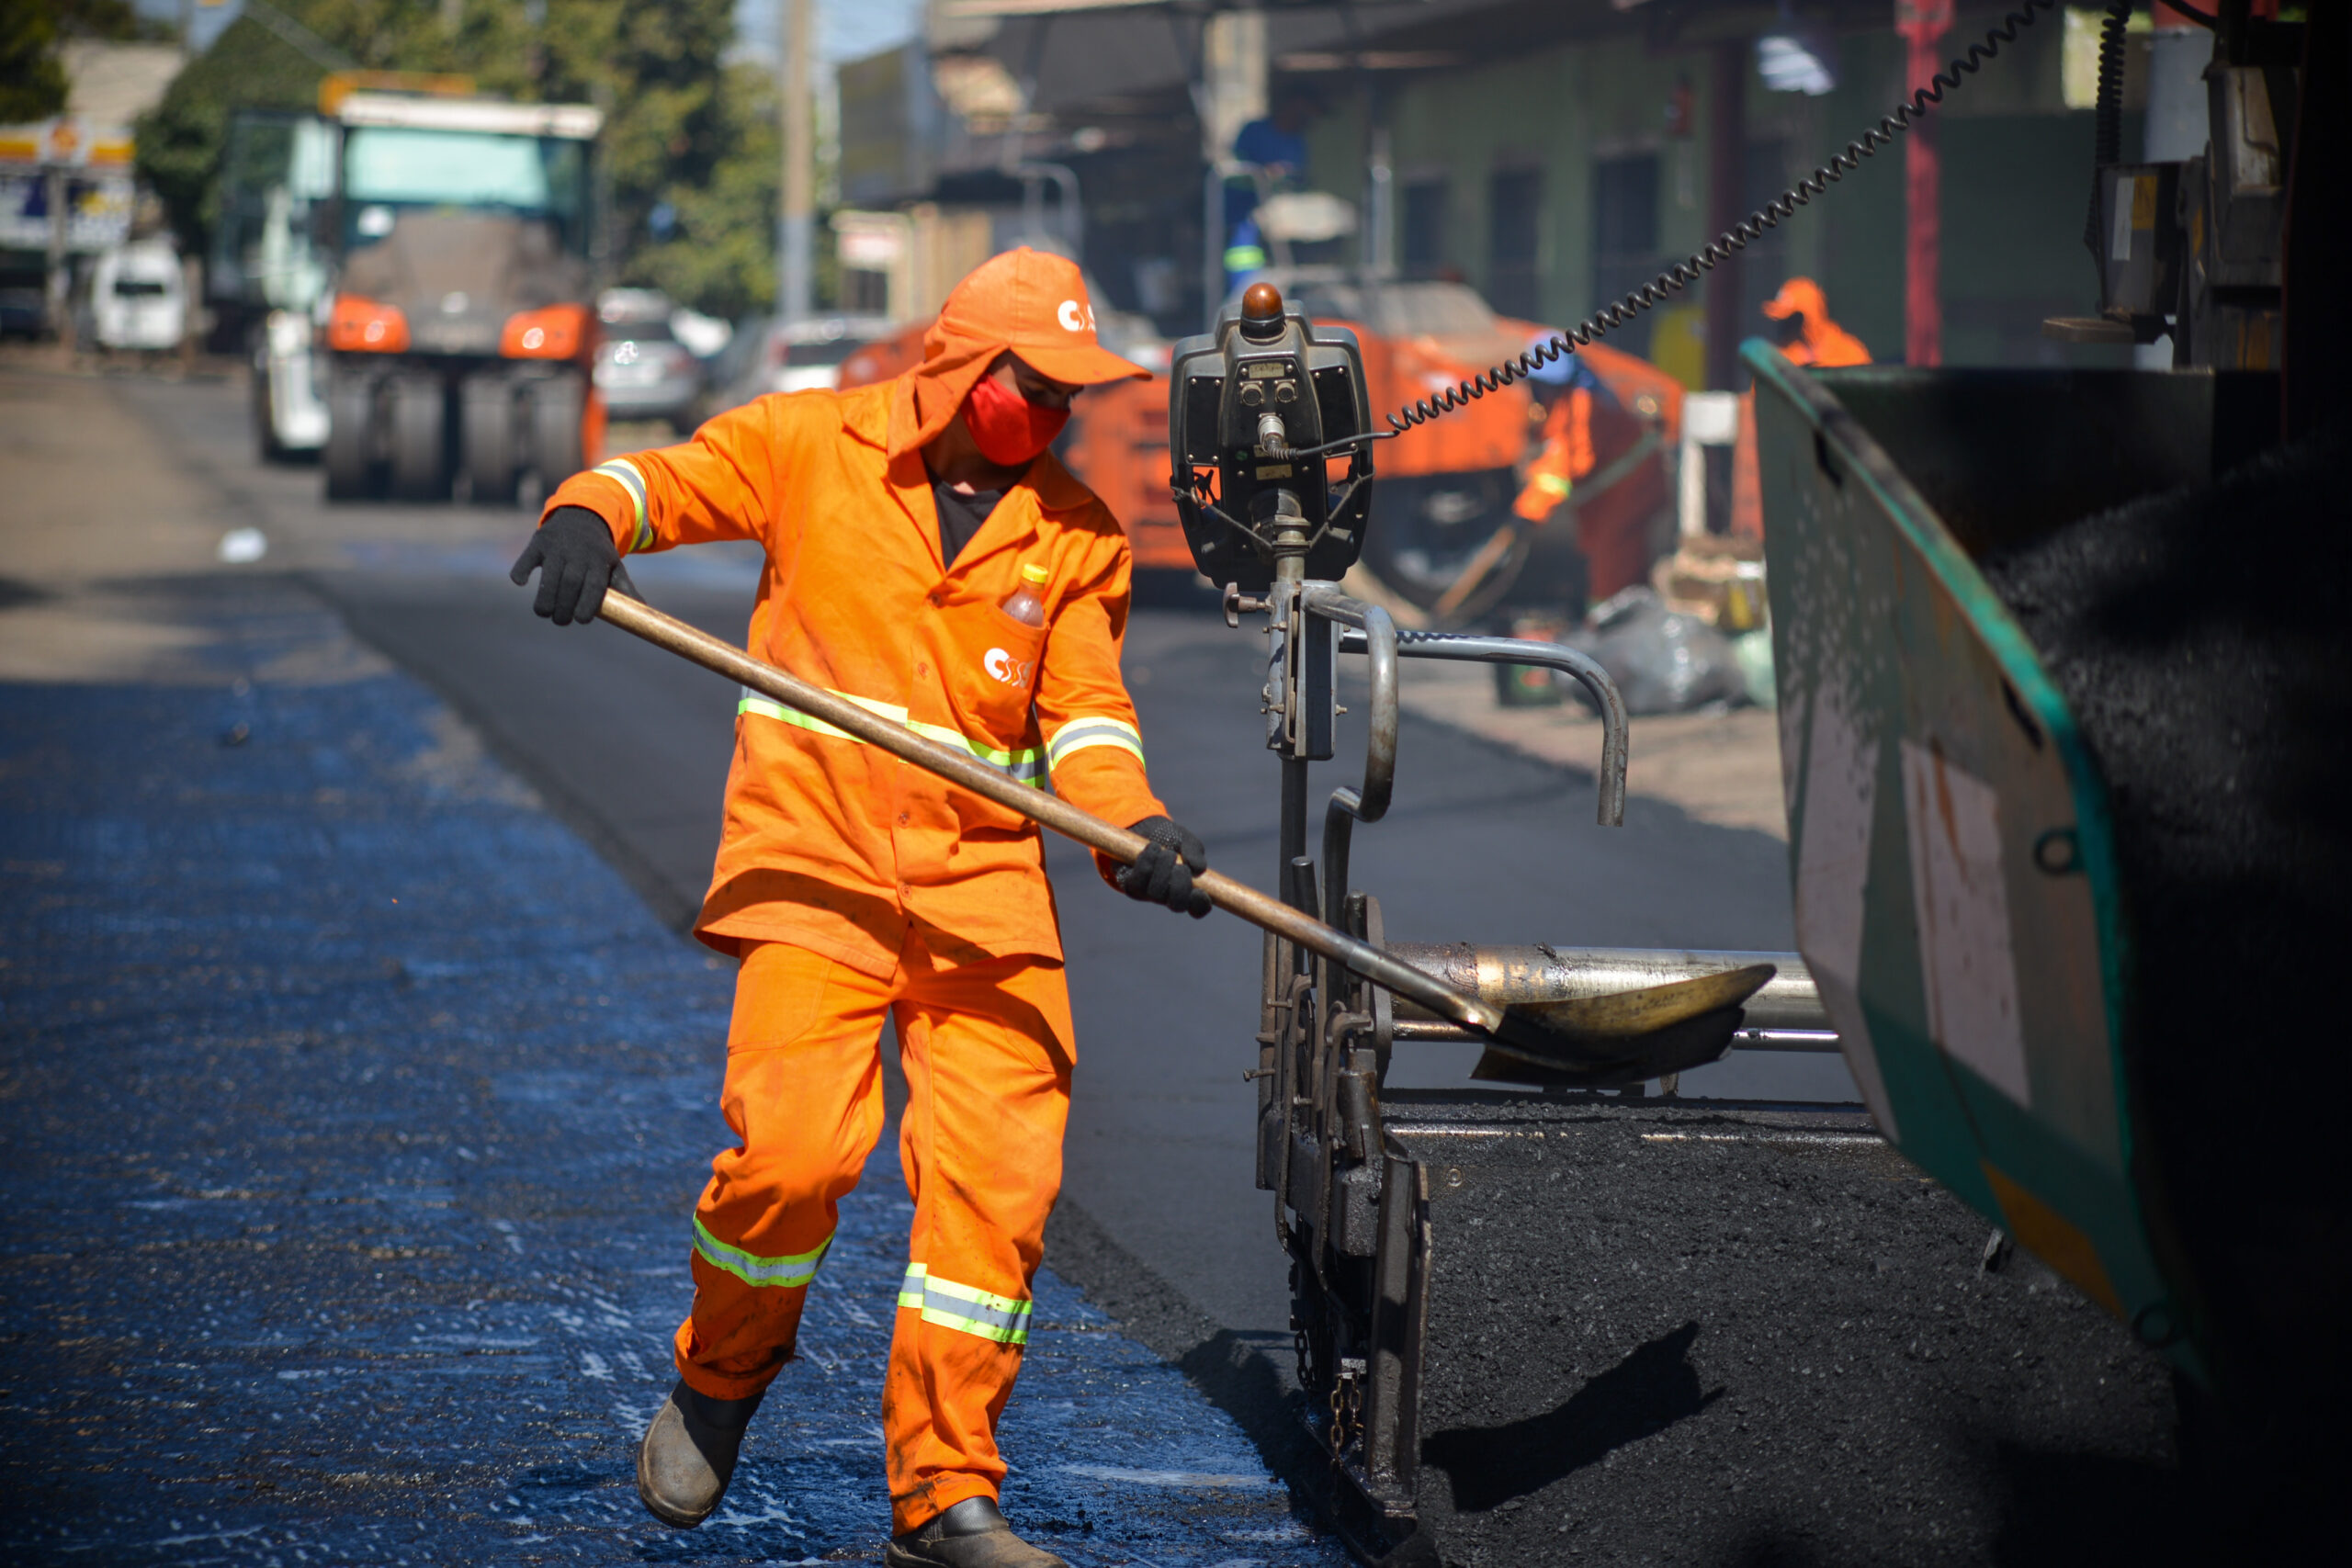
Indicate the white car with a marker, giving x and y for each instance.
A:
(768, 356)
(137, 299)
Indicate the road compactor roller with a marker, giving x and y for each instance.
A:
(459, 330)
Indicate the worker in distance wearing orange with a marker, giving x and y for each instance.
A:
(1809, 337)
(1564, 389)
(1582, 418)
(929, 559)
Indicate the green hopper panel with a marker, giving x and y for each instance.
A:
(1956, 889)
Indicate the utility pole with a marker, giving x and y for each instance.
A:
(1232, 92)
(1726, 185)
(1923, 24)
(796, 226)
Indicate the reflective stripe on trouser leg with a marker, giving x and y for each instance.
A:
(964, 1308)
(986, 1051)
(804, 1094)
(795, 1269)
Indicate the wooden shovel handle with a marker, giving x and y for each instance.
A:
(639, 619)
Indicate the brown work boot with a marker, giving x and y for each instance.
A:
(688, 1454)
(972, 1534)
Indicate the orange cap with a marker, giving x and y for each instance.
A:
(1798, 297)
(1035, 303)
(1029, 302)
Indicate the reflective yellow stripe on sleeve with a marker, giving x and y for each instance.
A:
(624, 473)
(1027, 765)
(1081, 733)
(964, 1308)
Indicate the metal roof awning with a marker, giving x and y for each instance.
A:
(960, 9)
(578, 122)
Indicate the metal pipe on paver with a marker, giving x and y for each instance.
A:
(1461, 648)
(1786, 1015)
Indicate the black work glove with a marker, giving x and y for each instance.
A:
(1163, 872)
(573, 552)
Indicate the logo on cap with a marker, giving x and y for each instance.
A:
(1075, 317)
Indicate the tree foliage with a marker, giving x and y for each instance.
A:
(720, 256)
(32, 38)
(687, 138)
(181, 139)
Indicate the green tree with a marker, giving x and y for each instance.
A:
(682, 130)
(721, 256)
(32, 66)
(181, 138)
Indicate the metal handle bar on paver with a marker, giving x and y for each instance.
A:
(1543, 656)
(962, 768)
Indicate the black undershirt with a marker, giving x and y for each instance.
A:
(960, 516)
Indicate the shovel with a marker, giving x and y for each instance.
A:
(1588, 1034)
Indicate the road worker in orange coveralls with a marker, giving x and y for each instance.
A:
(930, 559)
(1584, 422)
(1808, 337)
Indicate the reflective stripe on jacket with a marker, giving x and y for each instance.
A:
(1567, 456)
(830, 844)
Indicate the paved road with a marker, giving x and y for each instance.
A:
(1160, 1224)
(633, 745)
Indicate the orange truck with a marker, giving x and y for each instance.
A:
(1444, 489)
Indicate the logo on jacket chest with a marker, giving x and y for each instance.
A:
(1002, 666)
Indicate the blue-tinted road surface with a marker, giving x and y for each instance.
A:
(351, 1114)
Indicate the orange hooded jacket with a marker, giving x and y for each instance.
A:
(830, 844)
(1821, 343)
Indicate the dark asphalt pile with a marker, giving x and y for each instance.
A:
(2203, 641)
(1747, 1335)
(351, 1114)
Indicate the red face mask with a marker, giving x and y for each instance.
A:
(1007, 428)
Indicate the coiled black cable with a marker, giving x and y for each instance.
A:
(2106, 134)
(1683, 274)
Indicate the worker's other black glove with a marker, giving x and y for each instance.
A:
(573, 552)
(1163, 872)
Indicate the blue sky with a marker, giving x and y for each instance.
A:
(847, 29)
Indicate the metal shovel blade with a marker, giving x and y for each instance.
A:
(1631, 1035)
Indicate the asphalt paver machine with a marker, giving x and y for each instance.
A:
(1406, 1216)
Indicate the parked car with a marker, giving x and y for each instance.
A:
(137, 299)
(768, 355)
(643, 369)
(24, 311)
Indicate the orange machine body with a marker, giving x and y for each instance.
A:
(1118, 440)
